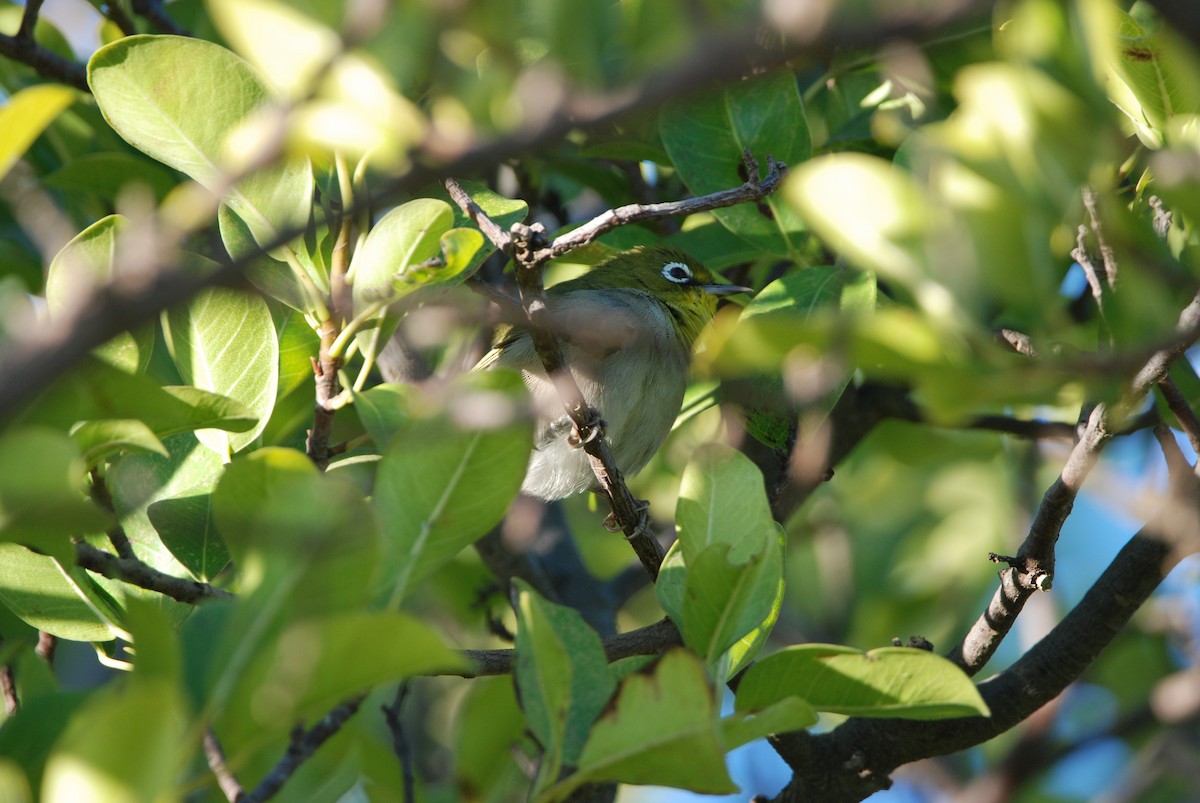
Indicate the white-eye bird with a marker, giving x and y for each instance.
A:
(627, 327)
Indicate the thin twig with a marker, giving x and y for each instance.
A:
(1107, 257)
(8, 688)
(29, 18)
(215, 757)
(134, 572)
(648, 640)
(115, 13)
(153, 11)
(45, 62)
(103, 499)
(496, 235)
(46, 647)
(400, 744)
(302, 745)
(754, 189)
(1178, 405)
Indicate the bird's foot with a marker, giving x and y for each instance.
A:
(594, 428)
(643, 522)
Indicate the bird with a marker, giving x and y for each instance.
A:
(627, 327)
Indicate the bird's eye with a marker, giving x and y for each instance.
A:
(677, 272)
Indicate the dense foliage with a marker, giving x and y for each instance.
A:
(252, 248)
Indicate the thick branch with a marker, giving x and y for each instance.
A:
(134, 572)
(855, 760)
(1033, 567)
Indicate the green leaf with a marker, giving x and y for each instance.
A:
(25, 116)
(789, 714)
(562, 674)
(14, 785)
(726, 600)
(97, 391)
(106, 176)
(304, 671)
(447, 478)
(100, 440)
(869, 210)
(298, 345)
(383, 409)
(309, 533)
(126, 743)
(87, 262)
(661, 730)
(896, 682)
(179, 99)
(270, 275)
(722, 500)
(779, 327)
(705, 137)
(1152, 78)
(225, 342)
(488, 724)
(29, 738)
(406, 236)
(42, 497)
(288, 47)
(185, 525)
(43, 593)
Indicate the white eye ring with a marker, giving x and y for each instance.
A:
(677, 272)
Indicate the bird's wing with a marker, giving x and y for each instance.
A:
(597, 325)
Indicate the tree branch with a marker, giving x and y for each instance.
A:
(215, 757)
(41, 356)
(23, 48)
(526, 245)
(754, 189)
(1032, 568)
(134, 572)
(152, 10)
(303, 744)
(855, 759)
(649, 640)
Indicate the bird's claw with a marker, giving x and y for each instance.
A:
(588, 433)
(643, 522)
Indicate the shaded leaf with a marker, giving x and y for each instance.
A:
(661, 730)
(445, 479)
(563, 678)
(705, 137)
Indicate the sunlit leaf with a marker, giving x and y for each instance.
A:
(89, 261)
(225, 342)
(25, 116)
(887, 682)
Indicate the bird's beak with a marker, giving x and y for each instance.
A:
(726, 289)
